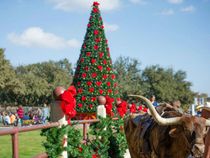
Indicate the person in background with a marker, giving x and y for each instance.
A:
(177, 105)
(45, 113)
(153, 100)
(26, 117)
(12, 118)
(6, 119)
(20, 112)
(1, 117)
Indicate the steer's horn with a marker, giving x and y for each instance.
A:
(160, 120)
(207, 122)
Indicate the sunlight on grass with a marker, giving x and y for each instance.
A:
(30, 144)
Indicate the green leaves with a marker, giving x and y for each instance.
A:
(106, 139)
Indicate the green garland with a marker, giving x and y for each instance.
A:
(106, 140)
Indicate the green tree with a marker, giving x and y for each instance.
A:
(167, 85)
(94, 75)
(40, 80)
(128, 75)
(10, 86)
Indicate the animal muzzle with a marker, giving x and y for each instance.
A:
(198, 150)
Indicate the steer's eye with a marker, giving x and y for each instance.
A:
(193, 135)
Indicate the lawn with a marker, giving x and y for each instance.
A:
(30, 144)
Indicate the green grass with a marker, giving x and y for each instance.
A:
(30, 144)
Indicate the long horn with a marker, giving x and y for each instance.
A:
(160, 120)
(207, 122)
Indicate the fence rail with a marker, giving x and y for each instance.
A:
(16, 130)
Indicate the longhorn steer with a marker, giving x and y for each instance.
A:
(172, 136)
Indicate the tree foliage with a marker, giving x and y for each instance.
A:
(128, 74)
(33, 84)
(42, 78)
(167, 85)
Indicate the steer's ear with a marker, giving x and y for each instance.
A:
(174, 132)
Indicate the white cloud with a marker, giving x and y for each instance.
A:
(175, 1)
(188, 9)
(138, 1)
(36, 37)
(111, 27)
(78, 5)
(167, 12)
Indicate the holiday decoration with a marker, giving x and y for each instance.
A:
(68, 102)
(94, 74)
(57, 92)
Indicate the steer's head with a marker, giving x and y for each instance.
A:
(194, 128)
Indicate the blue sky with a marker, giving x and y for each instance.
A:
(172, 33)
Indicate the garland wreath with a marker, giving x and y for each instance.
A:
(106, 139)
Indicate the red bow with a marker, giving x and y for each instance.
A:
(68, 103)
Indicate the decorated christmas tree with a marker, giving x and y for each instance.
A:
(94, 74)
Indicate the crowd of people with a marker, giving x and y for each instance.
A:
(22, 117)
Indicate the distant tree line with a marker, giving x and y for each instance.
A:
(32, 85)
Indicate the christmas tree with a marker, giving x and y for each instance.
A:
(94, 74)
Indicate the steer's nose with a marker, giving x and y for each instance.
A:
(198, 150)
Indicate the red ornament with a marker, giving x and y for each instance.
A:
(101, 54)
(83, 98)
(132, 108)
(93, 99)
(97, 40)
(113, 76)
(108, 84)
(88, 25)
(115, 84)
(104, 62)
(88, 54)
(86, 68)
(95, 32)
(104, 76)
(100, 67)
(78, 83)
(84, 75)
(106, 41)
(122, 108)
(91, 106)
(108, 106)
(109, 91)
(82, 60)
(95, 3)
(94, 75)
(84, 46)
(107, 49)
(93, 61)
(101, 91)
(95, 10)
(80, 90)
(98, 83)
(89, 83)
(108, 68)
(91, 90)
(80, 105)
(95, 47)
(102, 26)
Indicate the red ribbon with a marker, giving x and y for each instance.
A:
(68, 103)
